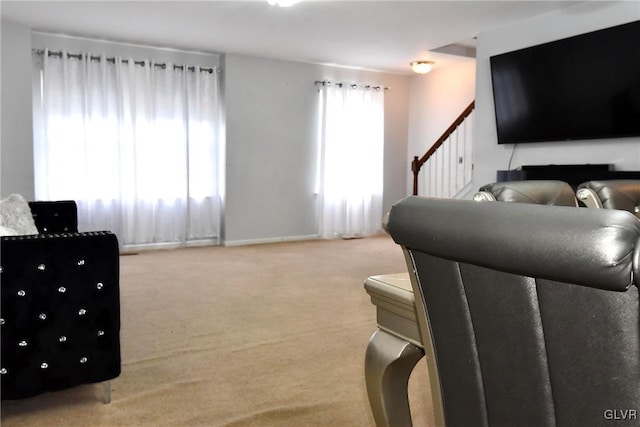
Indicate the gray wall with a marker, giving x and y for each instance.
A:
(16, 149)
(488, 155)
(271, 144)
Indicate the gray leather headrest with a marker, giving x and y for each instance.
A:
(590, 247)
(617, 194)
(543, 192)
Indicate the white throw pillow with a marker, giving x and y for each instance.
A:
(6, 231)
(15, 215)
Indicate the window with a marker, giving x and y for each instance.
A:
(351, 160)
(133, 142)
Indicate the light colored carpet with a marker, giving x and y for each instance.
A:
(265, 335)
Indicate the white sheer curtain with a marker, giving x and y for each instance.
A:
(352, 149)
(135, 144)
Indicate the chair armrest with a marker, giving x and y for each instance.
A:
(60, 311)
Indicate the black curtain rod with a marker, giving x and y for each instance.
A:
(112, 60)
(351, 85)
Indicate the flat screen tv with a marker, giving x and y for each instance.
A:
(582, 87)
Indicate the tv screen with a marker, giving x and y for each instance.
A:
(582, 87)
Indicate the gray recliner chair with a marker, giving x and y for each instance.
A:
(529, 314)
(540, 192)
(613, 194)
(395, 347)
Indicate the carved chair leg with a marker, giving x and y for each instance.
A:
(389, 361)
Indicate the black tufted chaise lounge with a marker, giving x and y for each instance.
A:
(60, 319)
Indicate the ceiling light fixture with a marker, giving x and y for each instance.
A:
(283, 3)
(422, 67)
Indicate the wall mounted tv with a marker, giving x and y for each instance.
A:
(582, 87)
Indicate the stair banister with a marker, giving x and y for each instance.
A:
(417, 163)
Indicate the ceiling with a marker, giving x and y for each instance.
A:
(377, 35)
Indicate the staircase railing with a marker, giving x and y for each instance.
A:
(448, 159)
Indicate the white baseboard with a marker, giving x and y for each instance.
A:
(169, 245)
(270, 240)
(202, 242)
